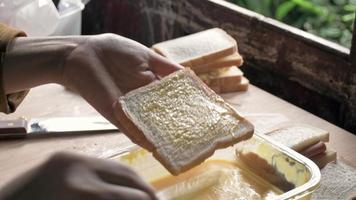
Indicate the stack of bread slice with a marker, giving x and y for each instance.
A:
(306, 140)
(212, 55)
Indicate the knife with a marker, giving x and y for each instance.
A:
(21, 128)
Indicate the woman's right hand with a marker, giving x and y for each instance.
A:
(73, 177)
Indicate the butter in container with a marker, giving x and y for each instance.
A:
(254, 169)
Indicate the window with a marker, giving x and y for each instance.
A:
(330, 19)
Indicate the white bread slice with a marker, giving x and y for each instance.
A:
(198, 48)
(313, 150)
(184, 120)
(338, 182)
(228, 87)
(233, 87)
(324, 158)
(231, 60)
(299, 136)
(221, 76)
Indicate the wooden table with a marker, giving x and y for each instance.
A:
(52, 100)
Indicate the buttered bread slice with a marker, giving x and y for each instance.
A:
(184, 120)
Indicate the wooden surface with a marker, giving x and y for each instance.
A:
(260, 107)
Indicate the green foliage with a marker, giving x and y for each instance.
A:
(330, 19)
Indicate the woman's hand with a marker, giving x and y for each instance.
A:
(100, 68)
(73, 177)
(104, 67)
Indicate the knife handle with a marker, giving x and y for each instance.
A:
(11, 129)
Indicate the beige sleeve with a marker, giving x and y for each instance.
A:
(8, 102)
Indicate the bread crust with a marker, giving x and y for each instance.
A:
(246, 129)
(230, 60)
(229, 85)
(314, 150)
(324, 158)
(131, 130)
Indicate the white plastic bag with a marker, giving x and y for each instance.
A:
(41, 17)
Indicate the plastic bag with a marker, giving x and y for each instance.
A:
(41, 17)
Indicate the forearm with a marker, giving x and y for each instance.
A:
(30, 62)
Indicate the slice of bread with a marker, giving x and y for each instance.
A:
(324, 158)
(338, 181)
(225, 80)
(183, 119)
(199, 48)
(313, 150)
(233, 87)
(299, 136)
(221, 76)
(231, 60)
(228, 87)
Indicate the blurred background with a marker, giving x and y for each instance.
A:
(330, 19)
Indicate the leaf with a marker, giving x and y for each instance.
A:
(331, 32)
(283, 10)
(339, 2)
(350, 8)
(311, 7)
(346, 38)
(261, 6)
(254, 5)
(348, 17)
(239, 2)
(267, 6)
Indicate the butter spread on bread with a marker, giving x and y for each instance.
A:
(184, 120)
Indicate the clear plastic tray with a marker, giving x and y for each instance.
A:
(290, 174)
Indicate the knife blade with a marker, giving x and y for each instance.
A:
(20, 128)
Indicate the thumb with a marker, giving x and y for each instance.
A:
(161, 66)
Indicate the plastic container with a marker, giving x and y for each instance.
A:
(289, 174)
(70, 15)
(40, 18)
